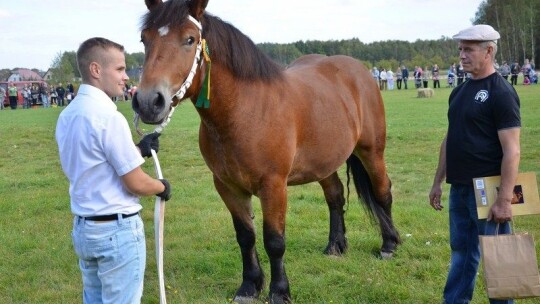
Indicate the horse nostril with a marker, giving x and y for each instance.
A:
(160, 102)
(135, 103)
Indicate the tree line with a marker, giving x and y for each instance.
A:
(514, 19)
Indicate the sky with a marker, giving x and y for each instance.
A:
(35, 32)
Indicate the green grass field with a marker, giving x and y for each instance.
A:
(202, 259)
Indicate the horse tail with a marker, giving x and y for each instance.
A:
(376, 210)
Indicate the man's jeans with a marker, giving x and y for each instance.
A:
(465, 227)
(112, 259)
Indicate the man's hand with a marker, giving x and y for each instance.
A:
(435, 197)
(501, 211)
(166, 194)
(149, 142)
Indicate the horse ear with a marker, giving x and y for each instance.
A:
(197, 7)
(150, 4)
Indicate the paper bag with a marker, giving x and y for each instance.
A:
(510, 266)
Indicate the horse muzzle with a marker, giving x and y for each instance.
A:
(152, 107)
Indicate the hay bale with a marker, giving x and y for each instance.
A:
(425, 93)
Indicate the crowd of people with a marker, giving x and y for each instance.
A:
(455, 75)
(47, 96)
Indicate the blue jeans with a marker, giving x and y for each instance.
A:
(45, 101)
(112, 259)
(465, 227)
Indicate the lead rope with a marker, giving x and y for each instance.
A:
(159, 207)
(159, 223)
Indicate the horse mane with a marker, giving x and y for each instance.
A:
(228, 46)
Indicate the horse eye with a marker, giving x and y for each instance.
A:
(190, 40)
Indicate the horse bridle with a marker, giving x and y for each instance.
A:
(187, 83)
(183, 88)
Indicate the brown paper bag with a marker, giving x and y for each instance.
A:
(510, 266)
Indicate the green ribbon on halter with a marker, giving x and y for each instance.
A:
(203, 101)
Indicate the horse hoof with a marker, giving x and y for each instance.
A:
(387, 255)
(333, 251)
(336, 248)
(277, 299)
(244, 300)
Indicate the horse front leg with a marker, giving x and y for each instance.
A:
(273, 196)
(240, 207)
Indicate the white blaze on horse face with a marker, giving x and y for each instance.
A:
(164, 30)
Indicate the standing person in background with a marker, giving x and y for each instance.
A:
(102, 164)
(27, 97)
(514, 70)
(44, 95)
(452, 69)
(460, 73)
(375, 74)
(35, 91)
(405, 75)
(505, 70)
(390, 79)
(482, 140)
(399, 78)
(60, 94)
(525, 70)
(435, 75)
(382, 79)
(417, 77)
(2, 97)
(426, 75)
(13, 96)
(53, 95)
(70, 92)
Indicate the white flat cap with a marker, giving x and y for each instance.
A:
(479, 32)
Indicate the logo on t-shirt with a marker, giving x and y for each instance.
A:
(481, 96)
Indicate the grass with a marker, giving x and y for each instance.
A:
(202, 259)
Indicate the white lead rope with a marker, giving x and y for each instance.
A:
(159, 223)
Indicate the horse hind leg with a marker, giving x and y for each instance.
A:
(373, 187)
(240, 207)
(333, 193)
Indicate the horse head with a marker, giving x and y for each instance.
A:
(171, 34)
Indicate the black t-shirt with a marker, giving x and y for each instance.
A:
(478, 109)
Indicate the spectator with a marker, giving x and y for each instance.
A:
(435, 75)
(505, 70)
(399, 78)
(390, 79)
(34, 90)
(418, 77)
(2, 97)
(525, 70)
(375, 74)
(405, 75)
(13, 96)
(53, 95)
(44, 95)
(451, 78)
(132, 90)
(514, 70)
(70, 92)
(382, 79)
(60, 94)
(460, 73)
(426, 75)
(27, 97)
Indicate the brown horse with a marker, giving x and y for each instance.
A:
(265, 127)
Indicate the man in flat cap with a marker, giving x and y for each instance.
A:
(482, 140)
